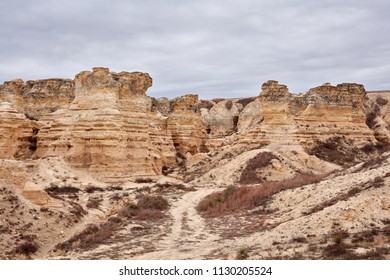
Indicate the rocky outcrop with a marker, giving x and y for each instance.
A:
(320, 113)
(377, 111)
(38, 98)
(105, 128)
(18, 134)
(185, 124)
(103, 122)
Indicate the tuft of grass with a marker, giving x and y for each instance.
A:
(242, 254)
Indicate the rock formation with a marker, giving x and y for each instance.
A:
(103, 123)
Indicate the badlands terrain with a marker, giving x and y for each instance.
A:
(93, 168)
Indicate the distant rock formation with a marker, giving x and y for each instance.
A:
(103, 122)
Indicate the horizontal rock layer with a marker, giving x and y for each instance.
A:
(104, 123)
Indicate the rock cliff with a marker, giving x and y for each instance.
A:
(104, 123)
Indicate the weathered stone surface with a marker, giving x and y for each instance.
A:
(105, 128)
(377, 110)
(17, 133)
(37, 98)
(103, 122)
(185, 124)
(320, 113)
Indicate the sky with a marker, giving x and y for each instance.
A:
(211, 48)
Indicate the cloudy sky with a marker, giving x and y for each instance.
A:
(213, 48)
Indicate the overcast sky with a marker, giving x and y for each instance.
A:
(212, 48)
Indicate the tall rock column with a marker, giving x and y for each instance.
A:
(105, 128)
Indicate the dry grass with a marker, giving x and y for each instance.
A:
(235, 199)
(144, 180)
(147, 208)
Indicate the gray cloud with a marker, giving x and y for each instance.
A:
(213, 48)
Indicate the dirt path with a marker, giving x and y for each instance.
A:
(189, 237)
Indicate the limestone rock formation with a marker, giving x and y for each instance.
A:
(103, 123)
(105, 128)
(38, 98)
(377, 111)
(18, 134)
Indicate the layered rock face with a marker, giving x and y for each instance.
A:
(103, 122)
(38, 98)
(301, 119)
(377, 111)
(105, 128)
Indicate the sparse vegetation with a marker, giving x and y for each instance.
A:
(94, 202)
(147, 208)
(144, 180)
(55, 189)
(27, 248)
(92, 189)
(242, 254)
(235, 199)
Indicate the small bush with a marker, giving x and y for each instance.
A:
(115, 188)
(152, 202)
(335, 251)
(94, 202)
(169, 186)
(337, 149)
(54, 189)
(27, 248)
(242, 254)
(92, 189)
(147, 208)
(144, 180)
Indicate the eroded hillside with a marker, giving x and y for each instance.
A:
(93, 168)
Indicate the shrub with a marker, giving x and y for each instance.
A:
(55, 189)
(152, 202)
(335, 250)
(144, 180)
(242, 254)
(147, 208)
(27, 248)
(92, 189)
(94, 202)
(246, 101)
